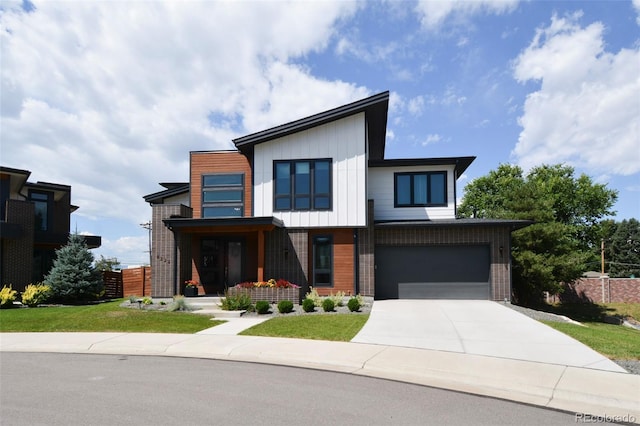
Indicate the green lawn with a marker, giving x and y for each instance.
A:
(612, 341)
(108, 316)
(339, 327)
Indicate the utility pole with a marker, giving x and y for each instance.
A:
(147, 226)
(602, 254)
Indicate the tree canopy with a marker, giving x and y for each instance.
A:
(107, 264)
(566, 211)
(622, 248)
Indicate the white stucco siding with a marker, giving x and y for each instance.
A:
(381, 190)
(343, 141)
(178, 199)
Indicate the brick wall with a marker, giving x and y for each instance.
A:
(17, 254)
(163, 275)
(597, 290)
(286, 253)
(366, 255)
(497, 237)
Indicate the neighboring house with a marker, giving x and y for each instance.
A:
(35, 221)
(315, 202)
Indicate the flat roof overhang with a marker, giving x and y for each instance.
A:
(227, 225)
(454, 223)
(461, 163)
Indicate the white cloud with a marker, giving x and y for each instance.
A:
(586, 110)
(416, 105)
(636, 6)
(434, 13)
(431, 139)
(110, 97)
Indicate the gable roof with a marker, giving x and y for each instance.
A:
(375, 108)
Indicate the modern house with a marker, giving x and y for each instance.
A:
(34, 222)
(315, 202)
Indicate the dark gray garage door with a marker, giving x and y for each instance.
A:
(432, 272)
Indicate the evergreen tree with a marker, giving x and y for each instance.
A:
(73, 278)
(622, 250)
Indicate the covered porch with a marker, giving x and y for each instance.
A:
(224, 251)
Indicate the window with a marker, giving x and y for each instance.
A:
(41, 202)
(302, 185)
(322, 261)
(223, 195)
(417, 189)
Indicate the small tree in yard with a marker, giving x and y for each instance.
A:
(73, 278)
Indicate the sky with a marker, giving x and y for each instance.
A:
(110, 97)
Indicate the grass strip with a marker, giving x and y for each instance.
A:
(341, 328)
(102, 317)
(612, 341)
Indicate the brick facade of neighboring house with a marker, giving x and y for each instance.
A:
(315, 202)
(34, 222)
(601, 290)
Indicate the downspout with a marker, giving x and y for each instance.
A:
(356, 262)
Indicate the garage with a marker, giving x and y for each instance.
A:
(433, 272)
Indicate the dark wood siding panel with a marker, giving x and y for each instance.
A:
(218, 162)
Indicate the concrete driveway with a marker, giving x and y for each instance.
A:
(476, 327)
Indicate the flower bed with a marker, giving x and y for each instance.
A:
(272, 291)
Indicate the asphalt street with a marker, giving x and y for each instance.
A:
(88, 389)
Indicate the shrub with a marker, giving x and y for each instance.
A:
(308, 305)
(313, 295)
(179, 304)
(338, 298)
(328, 305)
(354, 304)
(285, 306)
(7, 296)
(262, 307)
(147, 301)
(238, 302)
(133, 299)
(36, 294)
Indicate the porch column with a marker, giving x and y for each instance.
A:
(260, 255)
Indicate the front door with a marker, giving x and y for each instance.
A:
(221, 264)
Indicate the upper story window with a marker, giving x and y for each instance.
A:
(302, 185)
(41, 201)
(223, 195)
(420, 189)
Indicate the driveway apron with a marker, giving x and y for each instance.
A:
(476, 327)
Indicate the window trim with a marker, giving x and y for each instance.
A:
(412, 203)
(331, 261)
(292, 195)
(226, 187)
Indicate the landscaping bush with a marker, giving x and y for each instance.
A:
(354, 304)
(179, 304)
(238, 302)
(313, 295)
(337, 298)
(308, 305)
(328, 305)
(285, 306)
(7, 296)
(36, 294)
(262, 307)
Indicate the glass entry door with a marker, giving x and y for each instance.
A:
(221, 264)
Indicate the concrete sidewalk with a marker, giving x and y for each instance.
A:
(576, 389)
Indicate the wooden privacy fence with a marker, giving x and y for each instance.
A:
(136, 281)
(112, 284)
(128, 282)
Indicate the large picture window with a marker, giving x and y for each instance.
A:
(419, 189)
(323, 261)
(302, 185)
(223, 195)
